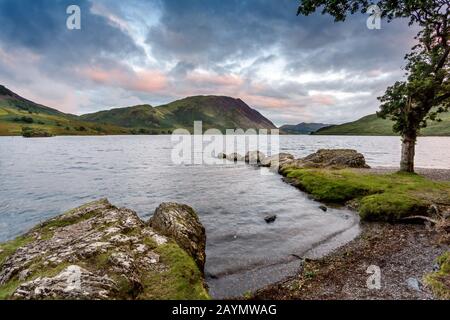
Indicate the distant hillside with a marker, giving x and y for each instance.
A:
(302, 128)
(214, 111)
(17, 112)
(372, 125)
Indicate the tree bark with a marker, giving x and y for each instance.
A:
(408, 153)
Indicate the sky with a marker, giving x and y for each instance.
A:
(290, 68)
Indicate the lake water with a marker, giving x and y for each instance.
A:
(41, 178)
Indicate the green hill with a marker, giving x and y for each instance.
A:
(214, 111)
(17, 113)
(372, 125)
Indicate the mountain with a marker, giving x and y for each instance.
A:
(372, 125)
(218, 112)
(302, 128)
(17, 113)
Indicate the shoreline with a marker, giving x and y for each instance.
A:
(405, 253)
(435, 174)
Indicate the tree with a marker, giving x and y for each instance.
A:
(426, 91)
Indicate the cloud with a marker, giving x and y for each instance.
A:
(290, 68)
(144, 81)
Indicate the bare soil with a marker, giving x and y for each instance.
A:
(401, 251)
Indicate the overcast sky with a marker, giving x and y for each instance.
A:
(290, 68)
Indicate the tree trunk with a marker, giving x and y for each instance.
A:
(408, 152)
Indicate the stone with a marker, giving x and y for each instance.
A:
(323, 208)
(270, 219)
(99, 251)
(254, 157)
(181, 223)
(73, 282)
(413, 284)
(342, 158)
(276, 160)
(235, 157)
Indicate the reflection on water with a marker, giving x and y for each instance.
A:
(41, 178)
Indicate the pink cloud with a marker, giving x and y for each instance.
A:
(144, 81)
(266, 102)
(323, 99)
(214, 79)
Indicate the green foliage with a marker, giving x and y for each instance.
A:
(28, 132)
(387, 197)
(439, 281)
(24, 119)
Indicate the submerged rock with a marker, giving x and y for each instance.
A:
(181, 223)
(99, 251)
(270, 219)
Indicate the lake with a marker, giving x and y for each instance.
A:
(41, 178)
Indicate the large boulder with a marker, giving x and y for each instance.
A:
(99, 251)
(342, 158)
(181, 223)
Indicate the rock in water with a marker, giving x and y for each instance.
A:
(323, 208)
(235, 157)
(222, 155)
(345, 158)
(270, 219)
(327, 158)
(181, 223)
(254, 157)
(276, 160)
(99, 251)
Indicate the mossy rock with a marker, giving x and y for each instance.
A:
(98, 251)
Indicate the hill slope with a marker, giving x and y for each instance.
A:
(218, 112)
(302, 128)
(17, 112)
(214, 111)
(372, 125)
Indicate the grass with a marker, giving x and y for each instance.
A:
(8, 248)
(54, 124)
(439, 281)
(183, 280)
(380, 197)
